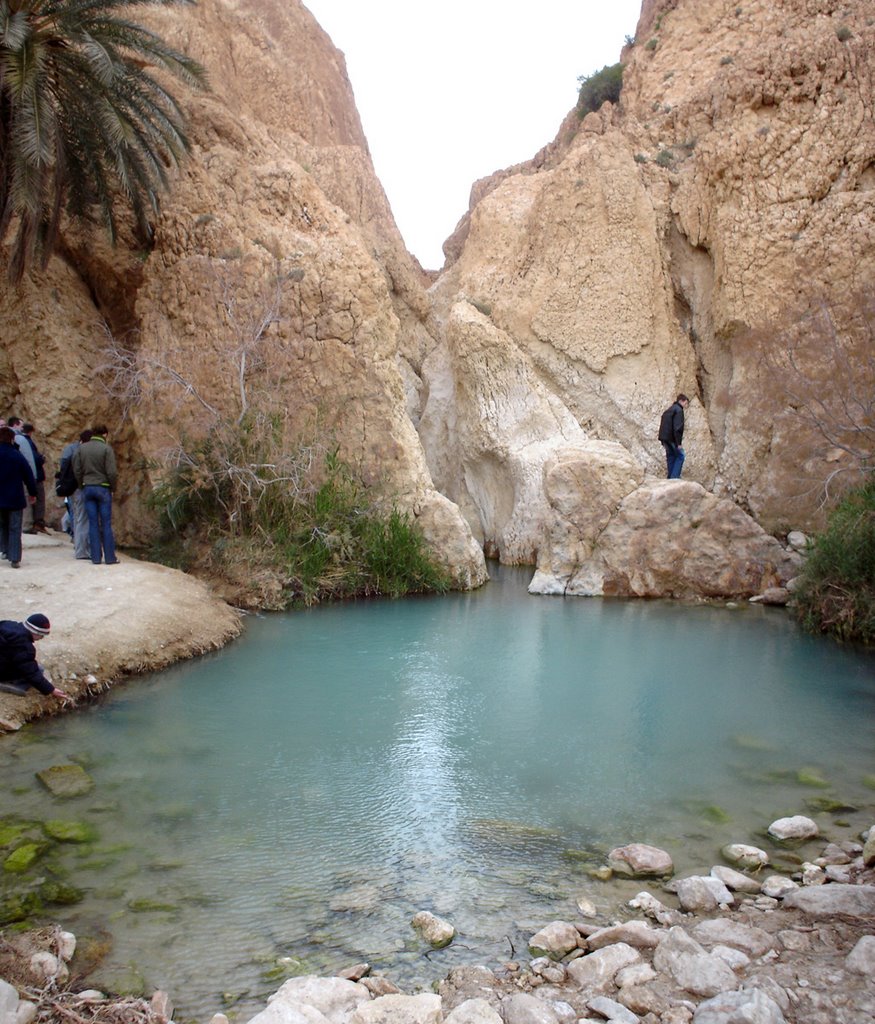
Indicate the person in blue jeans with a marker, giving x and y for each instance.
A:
(95, 470)
(671, 434)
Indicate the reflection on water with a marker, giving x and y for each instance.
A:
(289, 803)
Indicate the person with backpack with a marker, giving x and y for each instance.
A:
(67, 487)
(19, 669)
(671, 434)
(95, 469)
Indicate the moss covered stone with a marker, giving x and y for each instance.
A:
(21, 859)
(66, 780)
(70, 831)
(60, 893)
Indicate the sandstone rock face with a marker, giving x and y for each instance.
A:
(730, 187)
(666, 537)
(277, 280)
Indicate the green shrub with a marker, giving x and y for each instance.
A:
(651, 44)
(837, 585)
(599, 87)
(665, 158)
(294, 514)
(640, 158)
(843, 33)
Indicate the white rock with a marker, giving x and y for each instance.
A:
(596, 970)
(555, 940)
(861, 959)
(692, 967)
(797, 540)
(727, 932)
(812, 874)
(638, 934)
(333, 998)
(523, 1008)
(586, 907)
(777, 886)
(827, 900)
(424, 1008)
(702, 893)
(66, 945)
(612, 1011)
(745, 856)
(219, 1018)
(8, 1001)
(733, 957)
(435, 930)
(46, 965)
(750, 1006)
(735, 880)
(474, 1011)
(654, 908)
(26, 1012)
(90, 995)
(637, 974)
(797, 827)
(640, 860)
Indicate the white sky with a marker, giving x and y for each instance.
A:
(451, 92)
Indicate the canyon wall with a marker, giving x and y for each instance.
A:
(661, 245)
(655, 246)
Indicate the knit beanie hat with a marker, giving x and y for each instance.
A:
(38, 624)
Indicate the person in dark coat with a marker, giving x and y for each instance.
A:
(15, 478)
(19, 669)
(671, 433)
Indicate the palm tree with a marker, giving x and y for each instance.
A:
(84, 122)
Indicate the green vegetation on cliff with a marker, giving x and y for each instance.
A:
(285, 524)
(600, 86)
(837, 593)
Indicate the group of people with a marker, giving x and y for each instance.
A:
(90, 467)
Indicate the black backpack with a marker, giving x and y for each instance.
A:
(65, 479)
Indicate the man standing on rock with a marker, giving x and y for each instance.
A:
(19, 670)
(671, 433)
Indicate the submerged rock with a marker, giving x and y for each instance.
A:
(435, 930)
(66, 780)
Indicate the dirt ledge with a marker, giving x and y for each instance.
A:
(108, 621)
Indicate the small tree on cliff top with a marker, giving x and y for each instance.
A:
(83, 120)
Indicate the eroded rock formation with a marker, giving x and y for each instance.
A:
(514, 405)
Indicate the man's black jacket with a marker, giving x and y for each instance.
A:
(671, 426)
(18, 657)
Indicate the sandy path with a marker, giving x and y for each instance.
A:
(107, 620)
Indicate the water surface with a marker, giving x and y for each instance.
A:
(289, 803)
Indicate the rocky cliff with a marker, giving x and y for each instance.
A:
(657, 245)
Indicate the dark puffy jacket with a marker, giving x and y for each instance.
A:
(18, 657)
(15, 475)
(671, 426)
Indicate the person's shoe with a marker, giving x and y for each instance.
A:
(16, 565)
(32, 530)
(115, 561)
